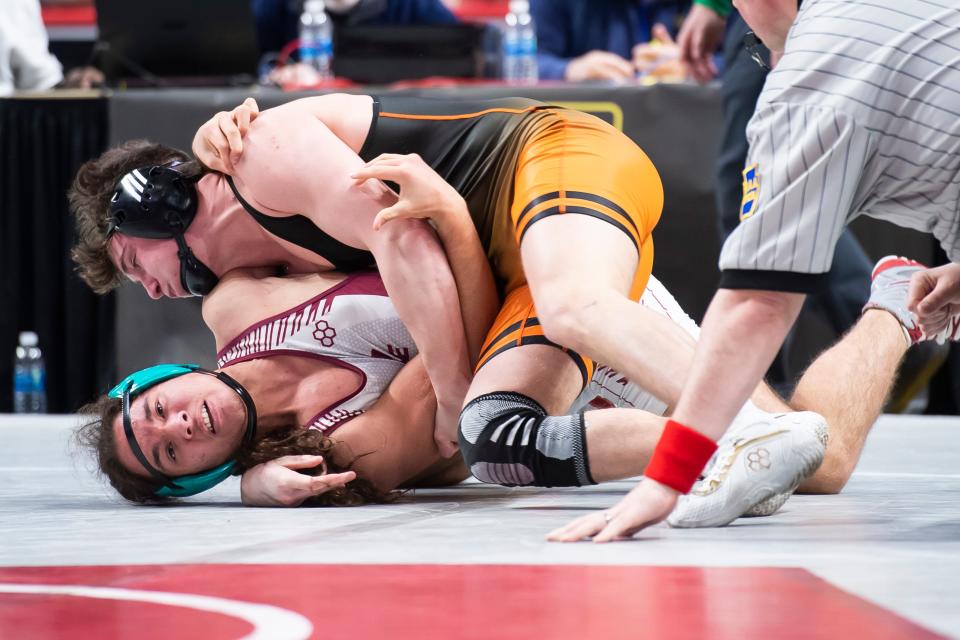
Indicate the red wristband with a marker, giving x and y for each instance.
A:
(679, 457)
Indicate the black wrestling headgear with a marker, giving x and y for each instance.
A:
(160, 202)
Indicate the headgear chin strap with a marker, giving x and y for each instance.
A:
(159, 202)
(183, 486)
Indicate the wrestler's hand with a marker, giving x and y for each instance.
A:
(700, 35)
(277, 483)
(935, 297)
(219, 141)
(423, 192)
(445, 429)
(649, 503)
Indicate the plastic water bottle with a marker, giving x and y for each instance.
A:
(29, 376)
(520, 45)
(316, 39)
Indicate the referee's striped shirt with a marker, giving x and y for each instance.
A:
(861, 116)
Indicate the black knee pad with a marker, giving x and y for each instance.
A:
(507, 438)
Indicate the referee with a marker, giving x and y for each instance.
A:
(860, 117)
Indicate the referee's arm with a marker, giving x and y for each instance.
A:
(739, 338)
(804, 175)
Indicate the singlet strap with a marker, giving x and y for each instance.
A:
(301, 231)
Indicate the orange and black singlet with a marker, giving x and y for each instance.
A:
(516, 162)
(474, 145)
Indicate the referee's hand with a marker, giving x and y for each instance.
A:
(649, 503)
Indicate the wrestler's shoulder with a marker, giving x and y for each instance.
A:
(224, 307)
(330, 107)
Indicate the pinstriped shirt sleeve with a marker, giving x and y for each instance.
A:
(806, 172)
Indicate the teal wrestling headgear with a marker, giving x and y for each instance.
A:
(138, 382)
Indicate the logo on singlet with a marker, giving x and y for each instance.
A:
(393, 353)
(334, 417)
(324, 333)
(606, 373)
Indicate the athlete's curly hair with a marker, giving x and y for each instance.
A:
(97, 435)
(89, 198)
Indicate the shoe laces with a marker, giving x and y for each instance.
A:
(716, 470)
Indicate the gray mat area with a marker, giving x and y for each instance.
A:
(892, 537)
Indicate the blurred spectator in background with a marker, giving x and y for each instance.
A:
(26, 64)
(277, 20)
(601, 39)
(701, 35)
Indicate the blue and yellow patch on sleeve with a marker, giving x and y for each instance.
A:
(751, 192)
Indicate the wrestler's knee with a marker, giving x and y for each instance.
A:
(507, 438)
(833, 474)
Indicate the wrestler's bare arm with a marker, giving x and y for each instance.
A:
(392, 442)
(294, 164)
(479, 301)
(425, 194)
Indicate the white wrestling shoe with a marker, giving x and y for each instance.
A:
(890, 283)
(888, 291)
(757, 467)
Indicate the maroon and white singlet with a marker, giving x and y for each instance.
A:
(353, 325)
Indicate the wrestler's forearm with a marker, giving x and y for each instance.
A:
(392, 441)
(479, 301)
(740, 336)
(420, 283)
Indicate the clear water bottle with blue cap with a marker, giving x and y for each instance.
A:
(520, 45)
(316, 39)
(29, 376)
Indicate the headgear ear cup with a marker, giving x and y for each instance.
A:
(185, 486)
(196, 277)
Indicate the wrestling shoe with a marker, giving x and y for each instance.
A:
(766, 507)
(888, 291)
(757, 467)
(890, 284)
(769, 506)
